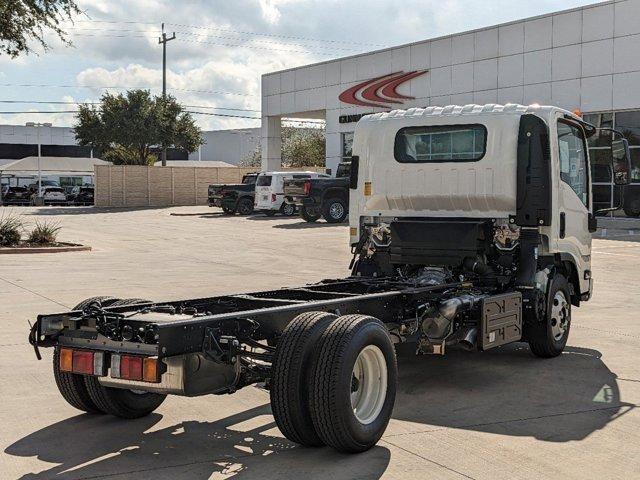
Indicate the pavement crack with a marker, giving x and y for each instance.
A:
(35, 293)
(606, 331)
(422, 457)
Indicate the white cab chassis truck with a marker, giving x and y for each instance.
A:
(470, 228)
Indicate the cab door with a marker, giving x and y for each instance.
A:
(574, 196)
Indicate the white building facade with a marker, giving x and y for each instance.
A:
(230, 146)
(585, 59)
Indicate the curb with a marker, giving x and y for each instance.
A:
(60, 249)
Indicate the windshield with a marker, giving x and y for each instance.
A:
(264, 181)
(344, 170)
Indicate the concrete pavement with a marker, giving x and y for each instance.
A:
(498, 414)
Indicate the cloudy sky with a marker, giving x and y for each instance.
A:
(222, 48)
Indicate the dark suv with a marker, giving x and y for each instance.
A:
(81, 196)
(15, 195)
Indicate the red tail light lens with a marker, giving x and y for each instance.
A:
(273, 197)
(131, 367)
(307, 188)
(83, 362)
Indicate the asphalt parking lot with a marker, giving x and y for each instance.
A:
(494, 415)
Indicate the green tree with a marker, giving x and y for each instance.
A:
(301, 147)
(23, 21)
(126, 127)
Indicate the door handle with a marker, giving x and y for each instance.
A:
(563, 224)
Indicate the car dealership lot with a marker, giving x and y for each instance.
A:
(500, 414)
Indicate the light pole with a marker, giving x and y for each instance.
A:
(163, 41)
(38, 125)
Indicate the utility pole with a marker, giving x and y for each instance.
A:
(163, 41)
(38, 125)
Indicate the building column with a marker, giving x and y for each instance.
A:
(271, 143)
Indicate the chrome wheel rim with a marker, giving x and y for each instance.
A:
(336, 210)
(288, 209)
(560, 315)
(368, 384)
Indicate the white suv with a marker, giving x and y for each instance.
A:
(270, 191)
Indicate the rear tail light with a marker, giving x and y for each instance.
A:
(82, 362)
(307, 188)
(131, 367)
(273, 197)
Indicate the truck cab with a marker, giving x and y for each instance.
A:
(502, 190)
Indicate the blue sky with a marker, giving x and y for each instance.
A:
(223, 47)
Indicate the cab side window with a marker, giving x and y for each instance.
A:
(573, 159)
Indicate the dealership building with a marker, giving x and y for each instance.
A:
(585, 59)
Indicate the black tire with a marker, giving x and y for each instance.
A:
(228, 211)
(290, 377)
(332, 383)
(542, 341)
(129, 301)
(288, 209)
(72, 387)
(310, 214)
(632, 209)
(245, 206)
(103, 301)
(121, 402)
(335, 210)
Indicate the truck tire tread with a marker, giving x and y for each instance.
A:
(325, 404)
(540, 341)
(72, 387)
(121, 402)
(290, 377)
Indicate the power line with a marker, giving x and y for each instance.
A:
(274, 35)
(103, 87)
(60, 102)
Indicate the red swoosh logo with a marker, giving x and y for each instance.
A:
(379, 90)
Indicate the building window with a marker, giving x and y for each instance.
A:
(347, 146)
(449, 143)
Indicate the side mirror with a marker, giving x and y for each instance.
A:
(621, 161)
(593, 223)
(353, 175)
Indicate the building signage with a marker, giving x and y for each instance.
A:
(380, 91)
(352, 118)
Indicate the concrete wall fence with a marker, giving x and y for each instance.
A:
(143, 186)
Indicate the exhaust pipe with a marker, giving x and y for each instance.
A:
(470, 339)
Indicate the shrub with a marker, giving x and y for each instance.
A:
(44, 232)
(10, 230)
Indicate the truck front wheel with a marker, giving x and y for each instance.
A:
(335, 210)
(291, 376)
(354, 383)
(548, 338)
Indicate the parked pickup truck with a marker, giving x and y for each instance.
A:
(321, 197)
(234, 197)
(439, 262)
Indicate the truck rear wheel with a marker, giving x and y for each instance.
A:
(354, 383)
(228, 211)
(72, 387)
(335, 210)
(290, 378)
(632, 209)
(245, 206)
(103, 301)
(121, 402)
(310, 214)
(548, 338)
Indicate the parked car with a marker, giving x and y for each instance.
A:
(51, 196)
(235, 197)
(15, 195)
(270, 191)
(33, 187)
(321, 197)
(81, 196)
